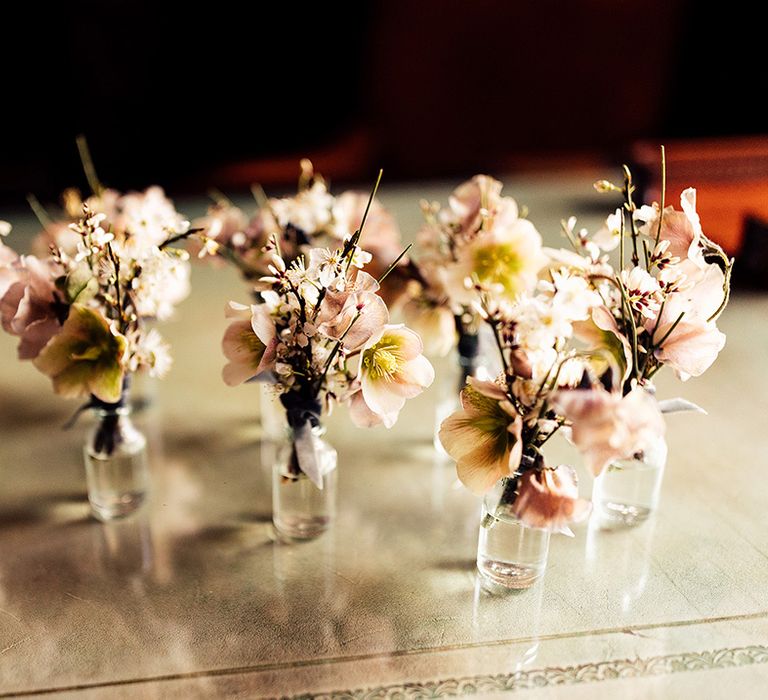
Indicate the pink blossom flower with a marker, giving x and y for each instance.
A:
(472, 198)
(249, 343)
(683, 231)
(691, 346)
(8, 267)
(505, 260)
(223, 222)
(393, 369)
(549, 499)
(484, 436)
(27, 307)
(609, 236)
(355, 313)
(606, 426)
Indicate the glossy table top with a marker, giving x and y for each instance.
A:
(193, 597)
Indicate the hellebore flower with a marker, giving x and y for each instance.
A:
(393, 369)
(549, 499)
(249, 342)
(484, 436)
(85, 357)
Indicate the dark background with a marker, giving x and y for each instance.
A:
(230, 92)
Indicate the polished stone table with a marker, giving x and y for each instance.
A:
(193, 597)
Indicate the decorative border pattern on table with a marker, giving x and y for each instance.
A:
(555, 676)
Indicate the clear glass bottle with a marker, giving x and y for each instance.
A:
(301, 510)
(510, 554)
(627, 491)
(115, 463)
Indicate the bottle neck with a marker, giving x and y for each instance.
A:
(103, 413)
(121, 407)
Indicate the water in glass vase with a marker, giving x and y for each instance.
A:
(627, 491)
(115, 466)
(509, 553)
(301, 510)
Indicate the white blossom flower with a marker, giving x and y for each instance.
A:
(309, 211)
(155, 353)
(609, 236)
(162, 284)
(643, 291)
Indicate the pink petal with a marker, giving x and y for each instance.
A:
(373, 315)
(36, 336)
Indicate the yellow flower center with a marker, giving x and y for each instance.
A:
(498, 264)
(383, 359)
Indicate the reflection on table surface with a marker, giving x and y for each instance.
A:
(194, 596)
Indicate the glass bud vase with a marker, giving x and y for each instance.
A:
(510, 554)
(115, 462)
(627, 491)
(302, 510)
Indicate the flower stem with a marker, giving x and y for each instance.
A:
(663, 193)
(88, 167)
(629, 205)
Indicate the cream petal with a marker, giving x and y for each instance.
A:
(418, 373)
(375, 338)
(262, 323)
(435, 325)
(270, 356)
(380, 397)
(457, 435)
(361, 415)
(409, 343)
(241, 344)
(235, 310)
(478, 471)
(365, 282)
(490, 389)
(706, 296)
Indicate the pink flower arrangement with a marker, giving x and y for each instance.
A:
(79, 309)
(580, 342)
(321, 334)
(500, 430)
(659, 308)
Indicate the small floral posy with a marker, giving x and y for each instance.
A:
(659, 308)
(322, 331)
(80, 306)
(498, 434)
